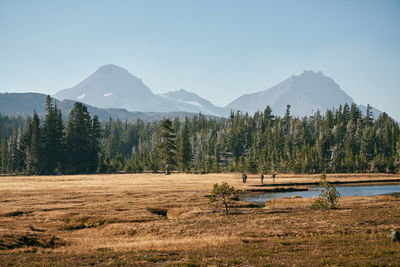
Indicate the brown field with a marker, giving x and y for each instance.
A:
(153, 219)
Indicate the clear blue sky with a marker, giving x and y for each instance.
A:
(215, 48)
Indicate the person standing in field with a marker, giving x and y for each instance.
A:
(273, 177)
(244, 177)
(262, 178)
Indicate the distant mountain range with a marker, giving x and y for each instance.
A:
(305, 93)
(112, 91)
(15, 104)
(114, 87)
(197, 103)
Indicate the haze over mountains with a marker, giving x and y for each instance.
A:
(23, 104)
(200, 104)
(113, 91)
(304, 93)
(114, 87)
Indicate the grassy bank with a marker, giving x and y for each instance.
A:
(149, 219)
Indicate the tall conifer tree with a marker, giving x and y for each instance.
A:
(4, 155)
(52, 136)
(184, 150)
(95, 143)
(32, 146)
(167, 145)
(78, 140)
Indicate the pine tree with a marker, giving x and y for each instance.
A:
(4, 155)
(369, 118)
(208, 168)
(27, 137)
(101, 166)
(346, 113)
(33, 151)
(184, 149)
(113, 145)
(78, 140)
(355, 113)
(52, 136)
(251, 165)
(16, 159)
(167, 145)
(95, 144)
(286, 120)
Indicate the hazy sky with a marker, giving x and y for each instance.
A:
(217, 49)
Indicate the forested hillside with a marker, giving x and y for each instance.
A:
(341, 140)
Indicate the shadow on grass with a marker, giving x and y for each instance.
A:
(30, 240)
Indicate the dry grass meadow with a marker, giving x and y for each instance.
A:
(154, 219)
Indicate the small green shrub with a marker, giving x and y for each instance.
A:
(223, 195)
(329, 196)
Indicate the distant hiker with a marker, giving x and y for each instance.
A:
(273, 177)
(244, 177)
(262, 178)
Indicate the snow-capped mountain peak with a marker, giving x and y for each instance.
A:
(304, 93)
(111, 86)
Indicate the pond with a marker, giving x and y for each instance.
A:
(353, 190)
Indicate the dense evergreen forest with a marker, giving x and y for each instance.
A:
(341, 140)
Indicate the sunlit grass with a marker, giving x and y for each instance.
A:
(113, 219)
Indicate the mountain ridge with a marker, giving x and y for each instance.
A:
(205, 105)
(111, 86)
(24, 104)
(305, 93)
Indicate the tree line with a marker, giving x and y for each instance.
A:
(341, 140)
(52, 147)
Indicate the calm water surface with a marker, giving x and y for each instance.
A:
(354, 190)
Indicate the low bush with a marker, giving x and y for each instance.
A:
(223, 195)
(329, 196)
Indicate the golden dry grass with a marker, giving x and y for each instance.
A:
(145, 219)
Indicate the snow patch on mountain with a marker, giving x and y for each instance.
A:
(197, 104)
(82, 96)
(194, 103)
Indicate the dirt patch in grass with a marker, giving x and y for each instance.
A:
(12, 241)
(81, 222)
(15, 213)
(158, 211)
